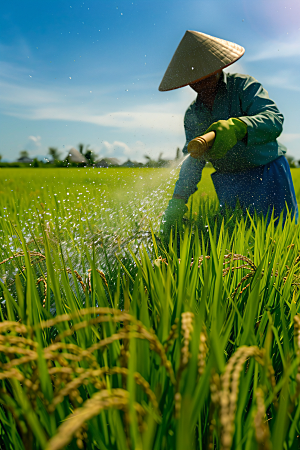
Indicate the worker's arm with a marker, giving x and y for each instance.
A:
(191, 168)
(186, 185)
(261, 115)
(189, 176)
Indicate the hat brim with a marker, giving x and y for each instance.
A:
(202, 78)
(198, 56)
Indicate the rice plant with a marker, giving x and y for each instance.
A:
(124, 345)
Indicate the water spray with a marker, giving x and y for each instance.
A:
(197, 148)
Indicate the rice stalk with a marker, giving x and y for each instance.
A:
(116, 398)
(262, 431)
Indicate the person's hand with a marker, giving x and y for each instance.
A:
(228, 132)
(172, 216)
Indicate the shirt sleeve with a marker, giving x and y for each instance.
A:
(189, 176)
(188, 128)
(262, 117)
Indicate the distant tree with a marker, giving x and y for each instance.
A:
(177, 153)
(88, 153)
(152, 163)
(291, 161)
(24, 154)
(160, 160)
(54, 153)
(90, 156)
(35, 163)
(0, 158)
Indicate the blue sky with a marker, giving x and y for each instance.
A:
(89, 72)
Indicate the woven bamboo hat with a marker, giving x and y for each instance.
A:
(198, 56)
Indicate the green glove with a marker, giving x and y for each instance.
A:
(228, 132)
(173, 215)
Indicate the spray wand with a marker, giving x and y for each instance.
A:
(198, 146)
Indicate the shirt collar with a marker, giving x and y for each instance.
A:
(223, 77)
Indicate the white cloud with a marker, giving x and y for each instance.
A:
(49, 104)
(123, 151)
(36, 140)
(116, 148)
(277, 49)
(284, 79)
(157, 126)
(11, 71)
(136, 151)
(138, 119)
(289, 137)
(33, 145)
(236, 67)
(26, 96)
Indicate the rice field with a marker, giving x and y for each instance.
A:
(110, 341)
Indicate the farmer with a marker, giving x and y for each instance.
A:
(249, 162)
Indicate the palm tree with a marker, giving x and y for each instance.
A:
(54, 153)
(291, 161)
(89, 154)
(152, 163)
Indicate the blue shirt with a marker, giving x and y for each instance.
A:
(243, 97)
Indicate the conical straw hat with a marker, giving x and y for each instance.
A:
(198, 56)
